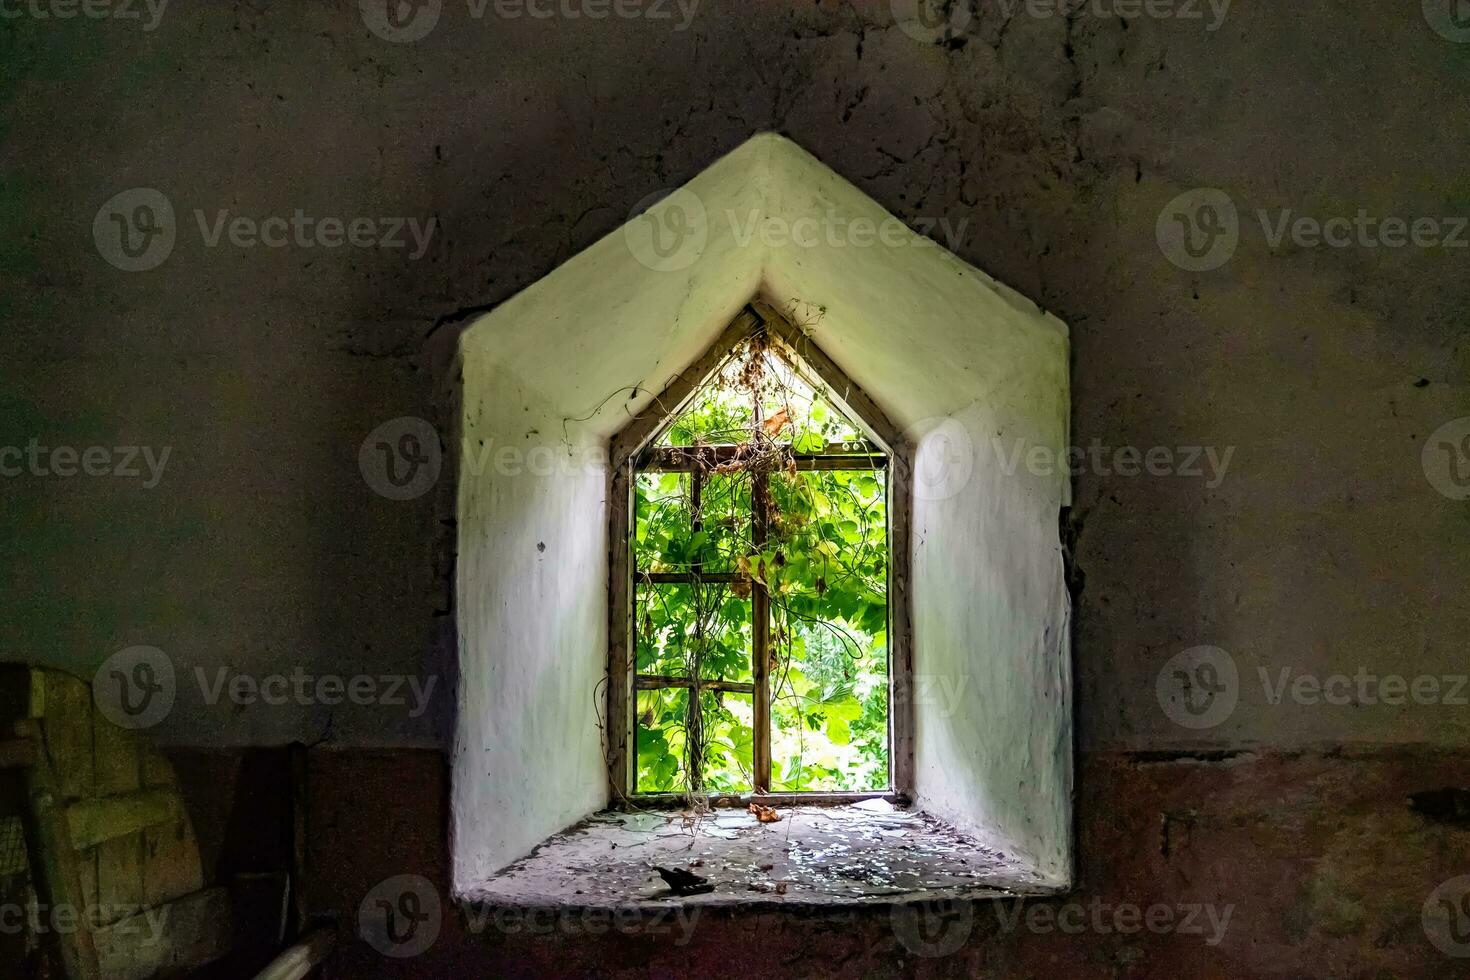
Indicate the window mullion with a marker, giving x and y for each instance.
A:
(760, 616)
(694, 717)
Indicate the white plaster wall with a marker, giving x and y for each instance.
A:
(968, 364)
(992, 665)
(531, 568)
(554, 366)
(929, 337)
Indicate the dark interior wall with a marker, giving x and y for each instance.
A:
(1282, 866)
(1049, 144)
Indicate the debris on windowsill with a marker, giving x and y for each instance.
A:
(821, 856)
(765, 814)
(767, 887)
(683, 882)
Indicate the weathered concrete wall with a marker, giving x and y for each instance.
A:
(945, 352)
(547, 379)
(956, 359)
(1050, 145)
(1260, 865)
(531, 579)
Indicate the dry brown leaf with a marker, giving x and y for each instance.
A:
(776, 422)
(765, 814)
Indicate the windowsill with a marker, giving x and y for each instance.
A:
(725, 801)
(865, 854)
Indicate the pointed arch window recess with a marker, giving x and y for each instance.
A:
(760, 640)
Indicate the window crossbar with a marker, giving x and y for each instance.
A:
(632, 454)
(688, 459)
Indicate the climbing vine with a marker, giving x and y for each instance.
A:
(743, 516)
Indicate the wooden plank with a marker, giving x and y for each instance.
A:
(656, 682)
(693, 708)
(172, 867)
(15, 886)
(668, 403)
(106, 818)
(182, 935)
(760, 643)
(301, 958)
(684, 578)
(662, 801)
(111, 821)
(55, 873)
(620, 702)
(696, 512)
(17, 753)
(87, 865)
(116, 767)
(299, 806)
(119, 864)
(156, 772)
(900, 624)
(22, 694)
(688, 459)
(68, 728)
(725, 451)
(171, 863)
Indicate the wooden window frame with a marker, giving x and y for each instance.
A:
(632, 445)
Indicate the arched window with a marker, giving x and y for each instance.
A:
(759, 622)
(611, 447)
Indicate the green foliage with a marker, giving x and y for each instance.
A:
(830, 626)
(722, 411)
(824, 564)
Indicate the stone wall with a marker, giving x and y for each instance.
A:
(1041, 148)
(1046, 149)
(1249, 865)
